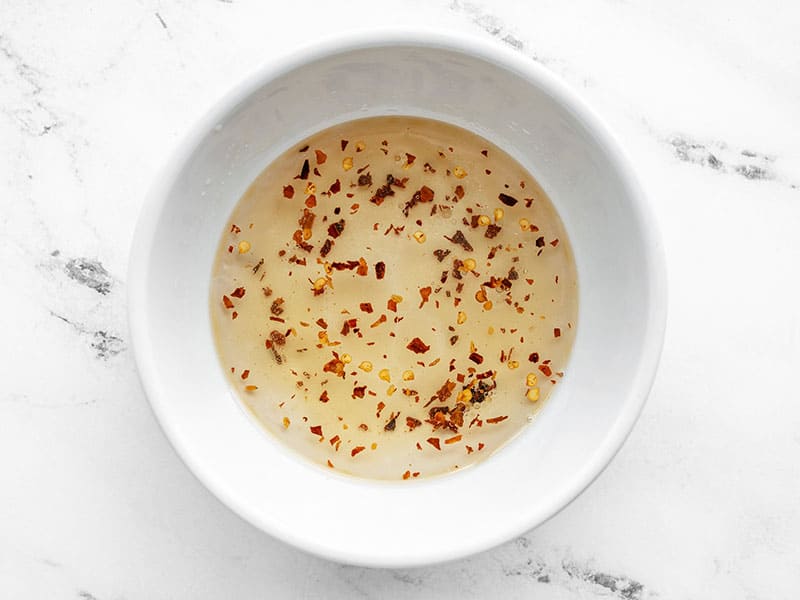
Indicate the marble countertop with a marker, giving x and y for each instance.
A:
(703, 501)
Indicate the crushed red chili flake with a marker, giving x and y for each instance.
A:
(227, 302)
(324, 396)
(453, 440)
(417, 346)
(326, 248)
(381, 319)
(363, 268)
(321, 157)
(322, 323)
(392, 422)
(238, 292)
(556, 332)
(423, 194)
(301, 243)
(424, 293)
(311, 201)
(316, 430)
(380, 270)
(412, 423)
(344, 144)
(410, 158)
(382, 192)
(460, 240)
(245, 374)
(481, 446)
(356, 450)
(366, 307)
(441, 254)
(507, 200)
(330, 464)
(277, 307)
(546, 370)
(540, 242)
(533, 357)
(476, 358)
(365, 180)
(348, 325)
(234, 314)
(407, 474)
(288, 191)
(230, 249)
(453, 340)
(358, 392)
(334, 440)
(494, 420)
(491, 232)
(434, 441)
(336, 229)
(335, 188)
(304, 170)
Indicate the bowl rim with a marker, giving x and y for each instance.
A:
(474, 46)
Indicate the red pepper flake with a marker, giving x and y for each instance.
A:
(316, 430)
(245, 374)
(336, 229)
(418, 346)
(492, 230)
(324, 396)
(311, 201)
(425, 293)
(358, 392)
(391, 304)
(326, 248)
(348, 325)
(507, 200)
(227, 302)
(476, 358)
(363, 427)
(335, 188)
(554, 243)
(321, 157)
(288, 191)
(533, 357)
(381, 319)
(380, 270)
(363, 268)
(497, 419)
(366, 307)
(230, 249)
(298, 239)
(546, 370)
(407, 475)
(434, 441)
(480, 446)
(460, 191)
(304, 170)
(459, 239)
(330, 464)
(453, 440)
(410, 158)
(333, 440)
(322, 323)
(277, 307)
(441, 254)
(540, 242)
(556, 332)
(356, 450)
(235, 228)
(234, 314)
(412, 423)
(469, 449)
(424, 194)
(344, 144)
(251, 388)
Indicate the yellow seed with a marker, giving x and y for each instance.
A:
(347, 163)
(311, 188)
(462, 317)
(408, 375)
(513, 364)
(286, 422)
(498, 214)
(320, 283)
(480, 295)
(419, 236)
(533, 394)
(524, 224)
(384, 374)
(490, 330)
(306, 234)
(391, 390)
(531, 380)
(346, 359)
(397, 298)
(470, 264)
(374, 445)
(487, 305)
(484, 220)
(244, 247)
(360, 146)
(464, 395)
(459, 172)
(365, 366)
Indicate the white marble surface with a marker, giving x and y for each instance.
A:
(702, 502)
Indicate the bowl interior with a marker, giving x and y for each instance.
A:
(519, 107)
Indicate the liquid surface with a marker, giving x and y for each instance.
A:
(394, 298)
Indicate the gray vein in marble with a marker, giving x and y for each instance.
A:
(161, 20)
(34, 116)
(620, 586)
(90, 273)
(104, 343)
(84, 595)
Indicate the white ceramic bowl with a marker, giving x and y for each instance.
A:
(525, 110)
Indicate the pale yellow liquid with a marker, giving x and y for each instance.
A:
(536, 314)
